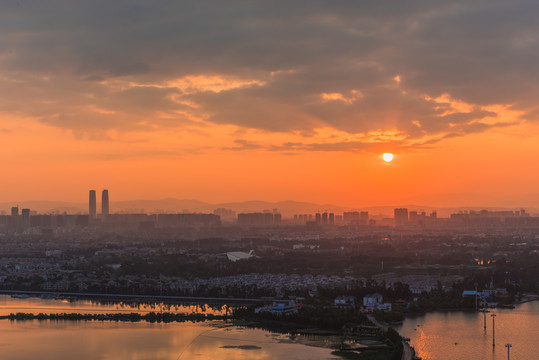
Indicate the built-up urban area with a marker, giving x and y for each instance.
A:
(410, 263)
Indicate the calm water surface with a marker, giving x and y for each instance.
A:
(460, 335)
(47, 306)
(85, 340)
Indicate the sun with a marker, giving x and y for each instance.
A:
(388, 157)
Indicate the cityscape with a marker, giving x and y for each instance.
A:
(269, 180)
(377, 269)
(26, 221)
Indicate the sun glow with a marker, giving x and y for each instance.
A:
(388, 157)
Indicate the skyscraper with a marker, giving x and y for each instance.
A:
(93, 206)
(105, 202)
(401, 217)
(25, 218)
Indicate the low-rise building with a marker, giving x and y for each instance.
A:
(374, 301)
(345, 301)
(239, 255)
(280, 307)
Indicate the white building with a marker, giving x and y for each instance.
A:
(239, 255)
(375, 302)
(345, 301)
(372, 300)
(280, 307)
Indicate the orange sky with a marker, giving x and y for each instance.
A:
(291, 103)
(42, 162)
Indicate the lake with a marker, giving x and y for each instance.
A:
(461, 335)
(107, 340)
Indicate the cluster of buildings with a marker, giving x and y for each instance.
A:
(418, 283)
(27, 221)
(405, 219)
(472, 219)
(49, 224)
(278, 282)
(371, 302)
(329, 218)
(259, 219)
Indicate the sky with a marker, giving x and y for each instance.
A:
(271, 100)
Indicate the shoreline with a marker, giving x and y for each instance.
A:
(164, 317)
(135, 297)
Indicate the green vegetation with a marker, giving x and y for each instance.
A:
(396, 315)
(165, 317)
(349, 322)
(242, 347)
(392, 352)
(326, 318)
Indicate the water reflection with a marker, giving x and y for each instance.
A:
(65, 340)
(108, 340)
(47, 306)
(461, 335)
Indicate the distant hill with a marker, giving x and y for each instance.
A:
(164, 205)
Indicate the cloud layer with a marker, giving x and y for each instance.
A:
(422, 71)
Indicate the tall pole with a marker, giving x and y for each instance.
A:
(484, 318)
(475, 297)
(493, 342)
(508, 346)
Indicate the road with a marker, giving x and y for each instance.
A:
(208, 300)
(407, 352)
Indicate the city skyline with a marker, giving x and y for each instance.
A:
(300, 179)
(192, 205)
(257, 211)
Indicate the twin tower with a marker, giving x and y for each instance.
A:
(104, 204)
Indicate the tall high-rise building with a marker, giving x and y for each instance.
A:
(93, 206)
(401, 216)
(363, 217)
(105, 202)
(351, 217)
(15, 211)
(25, 218)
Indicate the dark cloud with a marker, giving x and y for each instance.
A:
(91, 66)
(242, 144)
(347, 146)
